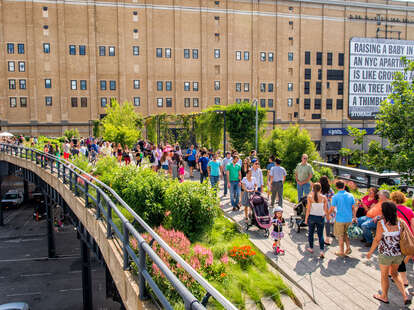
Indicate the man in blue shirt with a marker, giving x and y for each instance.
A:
(203, 162)
(344, 203)
(214, 168)
(227, 160)
(191, 158)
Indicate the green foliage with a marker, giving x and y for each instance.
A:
(290, 192)
(193, 207)
(105, 168)
(326, 171)
(71, 133)
(395, 123)
(121, 124)
(96, 129)
(210, 127)
(289, 145)
(151, 128)
(82, 162)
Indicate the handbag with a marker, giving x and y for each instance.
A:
(406, 240)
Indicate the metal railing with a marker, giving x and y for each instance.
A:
(97, 194)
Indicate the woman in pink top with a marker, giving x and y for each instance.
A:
(407, 215)
(367, 202)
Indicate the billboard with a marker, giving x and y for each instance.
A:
(372, 63)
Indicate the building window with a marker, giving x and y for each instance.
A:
(263, 103)
(112, 85)
(318, 88)
(48, 101)
(290, 56)
(158, 52)
(329, 104)
(329, 59)
(307, 58)
(307, 88)
(270, 56)
(13, 102)
(10, 48)
(46, 48)
(316, 116)
(12, 84)
(160, 102)
(168, 102)
(167, 53)
(186, 53)
(72, 49)
(217, 53)
(328, 85)
(159, 85)
(270, 103)
(82, 52)
(186, 86)
(73, 84)
(238, 100)
(341, 59)
(217, 100)
(195, 86)
(318, 103)
(262, 87)
(308, 74)
(195, 102)
(102, 52)
(103, 85)
(246, 87)
(216, 85)
(290, 86)
(319, 74)
(137, 101)
(22, 66)
(23, 102)
(270, 87)
(290, 102)
(74, 102)
(104, 102)
(111, 51)
(340, 88)
(137, 84)
(186, 102)
(83, 84)
(195, 53)
(48, 83)
(22, 84)
(246, 55)
(135, 50)
(168, 85)
(262, 56)
(238, 55)
(339, 104)
(307, 104)
(238, 87)
(20, 48)
(84, 101)
(11, 66)
(319, 58)
(216, 17)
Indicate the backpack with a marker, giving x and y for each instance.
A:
(152, 158)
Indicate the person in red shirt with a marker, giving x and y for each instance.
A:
(407, 215)
(367, 202)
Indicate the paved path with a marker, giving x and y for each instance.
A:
(334, 283)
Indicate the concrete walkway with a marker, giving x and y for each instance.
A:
(333, 283)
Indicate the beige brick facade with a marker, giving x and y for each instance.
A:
(212, 52)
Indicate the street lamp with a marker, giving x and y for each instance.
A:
(257, 120)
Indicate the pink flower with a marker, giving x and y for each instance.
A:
(224, 259)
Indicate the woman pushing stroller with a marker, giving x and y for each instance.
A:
(249, 187)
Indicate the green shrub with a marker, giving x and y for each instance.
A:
(82, 163)
(69, 133)
(290, 192)
(326, 171)
(105, 168)
(193, 207)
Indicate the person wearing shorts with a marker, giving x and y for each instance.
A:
(191, 157)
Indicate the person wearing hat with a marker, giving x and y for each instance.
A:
(277, 233)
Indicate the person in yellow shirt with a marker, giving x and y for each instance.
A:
(369, 222)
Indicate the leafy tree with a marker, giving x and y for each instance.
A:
(70, 133)
(122, 124)
(345, 153)
(289, 145)
(210, 127)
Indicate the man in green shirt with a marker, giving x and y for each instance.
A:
(303, 175)
(233, 171)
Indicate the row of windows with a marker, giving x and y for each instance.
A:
(10, 48)
(187, 53)
(318, 104)
(319, 58)
(82, 50)
(269, 103)
(318, 89)
(158, 52)
(74, 85)
(12, 84)
(331, 75)
(13, 102)
(112, 84)
(187, 102)
(136, 101)
(168, 102)
(168, 85)
(11, 65)
(102, 50)
(83, 102)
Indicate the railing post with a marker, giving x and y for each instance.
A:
(26, 152)
(31, 154)
(64, 173)
(86, 193)
(52, 163)
(125, 245)
(108, 219)
(98, 204)
(141, 268)
(1, 215)
(76, 185)
(71, 180)
(58, 168)
(368, 181)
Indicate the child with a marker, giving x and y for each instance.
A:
(181, 170)
(277, 233)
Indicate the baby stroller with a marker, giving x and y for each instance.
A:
(260, 214)
(297, 221)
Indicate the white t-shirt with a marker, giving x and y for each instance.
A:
(249, 185)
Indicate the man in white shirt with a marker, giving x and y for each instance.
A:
(277, 179)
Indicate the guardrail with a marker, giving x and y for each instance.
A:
(86, 186)
(360, 176)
